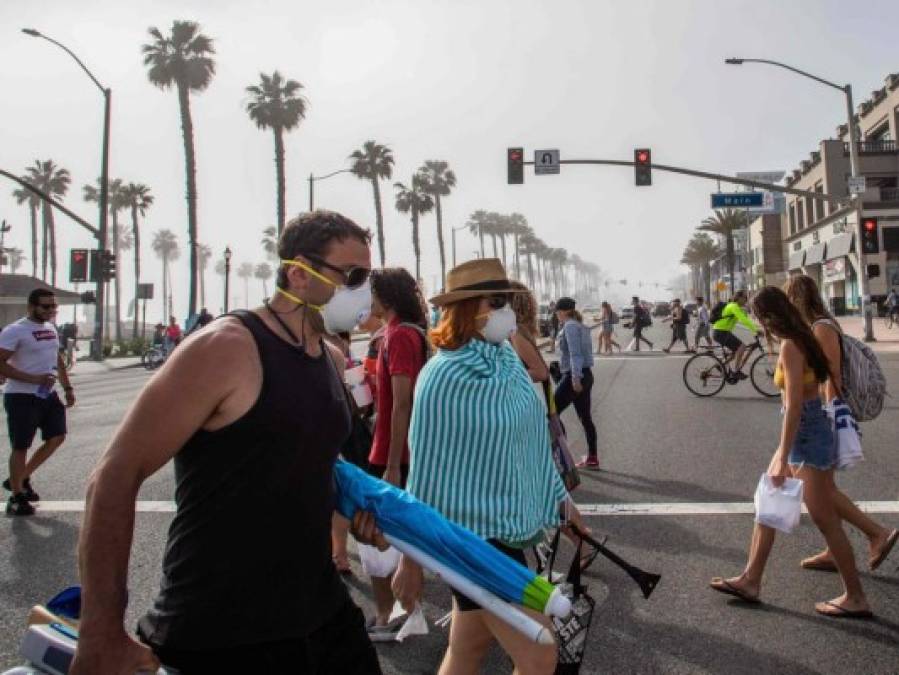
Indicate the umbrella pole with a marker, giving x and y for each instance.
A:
(499, 608)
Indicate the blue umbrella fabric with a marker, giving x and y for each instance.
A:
(402, 516)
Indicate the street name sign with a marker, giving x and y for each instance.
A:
(762, 176)
(857, 185)
(741, 200)
(546, 162)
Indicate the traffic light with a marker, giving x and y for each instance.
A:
(107, 265)
(643, 166)
(870, 236)
(78, 260)
(515, 165)
(88, 298)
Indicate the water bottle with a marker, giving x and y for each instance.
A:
(45, 390)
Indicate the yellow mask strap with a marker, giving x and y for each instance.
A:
(315, 273)
(293, 298)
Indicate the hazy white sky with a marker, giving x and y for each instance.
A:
(440, 79)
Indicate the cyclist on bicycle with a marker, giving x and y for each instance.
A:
(722, 331)
(892, 305)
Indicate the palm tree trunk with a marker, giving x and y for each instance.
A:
(442, 247)
(502, 241)
(135, 232)
(481, 235)
(51, 227)
(415, 246)
(165, 289)
(517, 257)
(379, 217)
(117, 280)
(730, 260)
(44, 241)
(33, 208)
(279, 173)
(187, 131)
(707, 279)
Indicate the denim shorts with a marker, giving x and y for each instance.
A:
(815, 445)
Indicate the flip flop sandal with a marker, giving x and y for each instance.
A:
(819, 564)
(723, 586)
(843, 613)
(877, 560)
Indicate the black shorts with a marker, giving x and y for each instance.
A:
(340, 646)
(727, 339)
(26, 413)
(378, 471)
(465, 603)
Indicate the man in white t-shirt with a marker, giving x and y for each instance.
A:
(31, 362)
(703, 326)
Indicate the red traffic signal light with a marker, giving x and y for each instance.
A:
(643, 166)
(870, 236)
(78, 265)
(515, 166)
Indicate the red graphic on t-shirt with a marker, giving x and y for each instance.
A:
(44, 334)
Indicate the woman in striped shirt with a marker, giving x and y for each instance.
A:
(481, 455)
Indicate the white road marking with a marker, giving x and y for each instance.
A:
(648, 509)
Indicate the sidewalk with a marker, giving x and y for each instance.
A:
(887, 340)
(87, 367)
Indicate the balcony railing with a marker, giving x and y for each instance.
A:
(872, 147)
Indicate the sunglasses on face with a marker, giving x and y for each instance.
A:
(48, 307)
(353, 277)
(497, 301)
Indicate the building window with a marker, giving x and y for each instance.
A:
(800, 214)
(820, 204)
(792, 218)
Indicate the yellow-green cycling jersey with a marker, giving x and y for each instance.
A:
(731, 314)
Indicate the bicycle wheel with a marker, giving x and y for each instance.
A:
(762, 374)
(154, 359)
(704, 375)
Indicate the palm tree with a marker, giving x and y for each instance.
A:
(478, 225)
(16, 257)
(270, 242)
(117, 202)
(499, 227)
(374, 162)
(701, 251)
(518, 225)
(204, 255)
(183, 59)
(725, 223)
(245, 271)
(277, 105)
(165, 245)
(416, 201)
(263, 272)
(138, 198)
(439, 181)
(23, 196)
(55, 181)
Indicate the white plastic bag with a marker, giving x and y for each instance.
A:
(415, 623)
(377, 563)
(778, 507)
(846, 434)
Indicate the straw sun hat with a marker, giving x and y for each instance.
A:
(473, 279)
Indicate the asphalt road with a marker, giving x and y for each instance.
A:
(659, 445)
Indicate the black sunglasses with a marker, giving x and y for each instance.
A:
(497, 301)
(43, 306)
(354, 277)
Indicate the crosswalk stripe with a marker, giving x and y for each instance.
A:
(648, 509)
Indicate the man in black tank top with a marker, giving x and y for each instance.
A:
(248, 584)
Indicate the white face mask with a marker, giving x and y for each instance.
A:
(501, 323)
(347, 308)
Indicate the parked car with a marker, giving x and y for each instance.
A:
(661, 309)
(544, 321)
(626, 313)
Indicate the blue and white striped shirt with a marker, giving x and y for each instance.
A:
(480, 444)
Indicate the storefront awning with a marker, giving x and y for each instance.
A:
(796, 260)
(839, 246)
(814, 254)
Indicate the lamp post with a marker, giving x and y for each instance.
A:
(867, 307)
(227, 274)
(312, 178)
(456, 229)
(97, 344)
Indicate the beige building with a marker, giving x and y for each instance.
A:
(819, 236)
(766, 258)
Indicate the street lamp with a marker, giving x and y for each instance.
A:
(312, 180)
(97, 345)
(456, 229)
(227, 274)
(867, 307)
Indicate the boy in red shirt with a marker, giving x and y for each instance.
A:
(396, 299)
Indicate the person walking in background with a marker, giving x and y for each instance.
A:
(396, 300)
(640, 321)
(476, 422)
(608, 318)
(679, 319)
(524, 339)
(553, 328)
(806, 451)
(804, 294)
(703, 324)
(172, 335)
(576, 364)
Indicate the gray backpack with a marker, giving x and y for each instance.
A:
(864, 384)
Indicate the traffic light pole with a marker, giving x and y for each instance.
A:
(100, 307)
